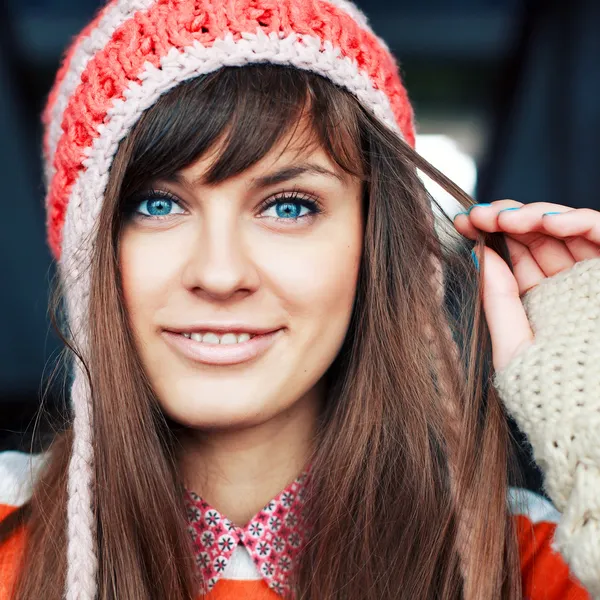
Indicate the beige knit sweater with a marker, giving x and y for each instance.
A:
(552, 389)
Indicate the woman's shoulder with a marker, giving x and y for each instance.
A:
(18, 472)
(544, 571)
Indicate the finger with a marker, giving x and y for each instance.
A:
(507, 321)
(464, 225)
(553, 253)
(569, 222)
(526, 226)
(486, 216)
(526, 270)
(579, 229)
(527, 218)
(581, 249)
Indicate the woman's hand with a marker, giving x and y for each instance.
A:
(540, 246)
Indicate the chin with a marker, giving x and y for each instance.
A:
(233, 398)
(196, 411)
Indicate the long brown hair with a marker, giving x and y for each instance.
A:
(408, 493)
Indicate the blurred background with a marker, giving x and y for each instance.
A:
(506, 94)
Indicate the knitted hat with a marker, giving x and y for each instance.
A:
(130, 54)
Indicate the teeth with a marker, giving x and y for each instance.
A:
(228, 338)
(213, 338)
(210, 338)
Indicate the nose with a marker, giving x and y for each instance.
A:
(218, 263)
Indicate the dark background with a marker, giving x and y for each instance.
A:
(514, 84)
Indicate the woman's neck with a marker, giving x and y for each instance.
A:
(238, 472)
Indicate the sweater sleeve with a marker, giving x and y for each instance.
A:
(552, 389)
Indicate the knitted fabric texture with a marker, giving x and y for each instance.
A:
(140, 49)
(552, 388)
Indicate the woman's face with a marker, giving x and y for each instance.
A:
(271, 254)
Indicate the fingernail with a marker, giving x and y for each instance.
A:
(551, 213)
(505, 209)
(482, 204)
(462, 212)
(474, 257)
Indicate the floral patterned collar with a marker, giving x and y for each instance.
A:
(273, 537)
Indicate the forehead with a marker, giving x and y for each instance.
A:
(298, 145)
(213, 139)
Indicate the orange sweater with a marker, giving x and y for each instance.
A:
(545, 574)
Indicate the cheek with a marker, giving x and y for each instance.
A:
(148, 271)
(317, 282)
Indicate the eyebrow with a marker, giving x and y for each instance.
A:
(291, 172)
(280, 176)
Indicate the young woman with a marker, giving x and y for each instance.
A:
(289, 379)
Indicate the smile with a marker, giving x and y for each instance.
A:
(227, 349)
(210, 337)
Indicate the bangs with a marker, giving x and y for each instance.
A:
(245, 112)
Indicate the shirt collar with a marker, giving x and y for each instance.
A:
(273, 537)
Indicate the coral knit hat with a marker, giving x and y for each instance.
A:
(130, 54)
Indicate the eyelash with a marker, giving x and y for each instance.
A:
(293, 197)
(153, 194)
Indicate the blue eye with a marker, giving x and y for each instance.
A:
(290, 208)
(158, 207)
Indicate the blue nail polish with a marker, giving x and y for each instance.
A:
(462, 212)
(474, 257)
(551, 213)
(505, 209)
(482, 204)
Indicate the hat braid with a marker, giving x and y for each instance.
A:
(81, 552)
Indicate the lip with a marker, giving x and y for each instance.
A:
(221, 354)
(221, 328)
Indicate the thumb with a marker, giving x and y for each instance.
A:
(507, 320)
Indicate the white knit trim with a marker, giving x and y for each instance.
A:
(82, 561)
(87, 47)
(18, 474)
(531, 505)
(304, 52)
